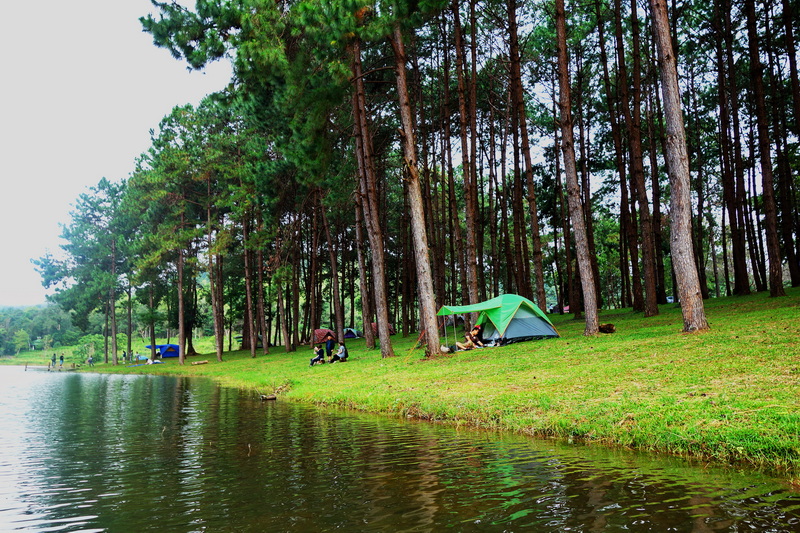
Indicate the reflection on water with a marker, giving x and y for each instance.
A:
(87, 452)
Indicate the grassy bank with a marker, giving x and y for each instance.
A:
(731, 394)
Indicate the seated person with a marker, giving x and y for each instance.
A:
(319, 355)
(340, 355)
(479, 332)
(471, 340)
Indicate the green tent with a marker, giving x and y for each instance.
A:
(507, 318)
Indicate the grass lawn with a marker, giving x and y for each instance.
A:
(731, 394)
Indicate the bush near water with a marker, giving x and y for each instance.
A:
(728, 395)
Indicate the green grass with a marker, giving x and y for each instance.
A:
(730, 394)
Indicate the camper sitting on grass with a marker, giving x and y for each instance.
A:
(319, 355)
(341, 355)
(471, 339)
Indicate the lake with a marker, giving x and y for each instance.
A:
(93, 452)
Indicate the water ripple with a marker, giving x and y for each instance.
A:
(122, 453)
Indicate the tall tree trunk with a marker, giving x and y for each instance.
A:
(518, 103)
(294, 294)
(130, 319)
(470, 185)
(740, 282)
(456, 248)
(658, 240)
(369, 203)
(628, 209)
(338, 312)
(216, 310)
(284, 319)
(473, 147)
(520, 264)
(633, 124)
(696, 151)
(616, 136)
(738, 240)
(584, 134)
(568, 296)
(694, 318)
(767, 185)
(312, 296)
(181, 308)
(725, 268)
(112, 302)
(152, 324)
(427, 297)
(366, 313)
(571, 171)
(248, 285)
(262, 311)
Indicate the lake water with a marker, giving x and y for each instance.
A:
(89, 452)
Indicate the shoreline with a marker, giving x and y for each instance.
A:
(730, 396)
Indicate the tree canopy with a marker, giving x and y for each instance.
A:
(373, 160)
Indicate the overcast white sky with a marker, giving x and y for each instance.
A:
(80, 88)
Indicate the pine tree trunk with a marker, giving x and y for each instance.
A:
(152, 325)
(741, 279)
(767, 185)
(790, 215)
(633, 124)
(112, 302)
(658, 240)
(338, 312)
(470, 217)
(130, 320)
(262, 311)
(248, 285)
(370, 205)
(571, 171)
(366, 313)
(219, 326)
(181, 309)
(616, 136)
(584, 133)
(287, 341)
(699, 190)
(727, 157)
(518, 106)
(427, 298)
(785, 181)
(294, 294)
(694, 318)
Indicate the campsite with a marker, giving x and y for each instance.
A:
(728, 396)
(609, 191)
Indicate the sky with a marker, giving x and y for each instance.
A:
(81, 86)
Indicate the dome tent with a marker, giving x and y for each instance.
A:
(507, 318)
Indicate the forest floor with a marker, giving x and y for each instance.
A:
(727, 395)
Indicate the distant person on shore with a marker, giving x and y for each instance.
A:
(60, 361)
(90, 360)
(341, 354)
(319, 355)
(54, 361)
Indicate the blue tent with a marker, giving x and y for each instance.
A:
(167, 350)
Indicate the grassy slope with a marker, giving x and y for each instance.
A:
(730, 393)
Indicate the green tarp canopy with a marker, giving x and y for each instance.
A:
(507, 318)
